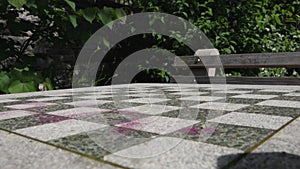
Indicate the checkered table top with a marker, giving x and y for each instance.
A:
(153, 125)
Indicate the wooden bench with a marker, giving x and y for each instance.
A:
(253, 60)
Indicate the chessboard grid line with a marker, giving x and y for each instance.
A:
(65, 149)
(279, 95)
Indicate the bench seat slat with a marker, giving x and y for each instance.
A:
(242, 80)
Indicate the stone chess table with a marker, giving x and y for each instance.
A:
(152, 126)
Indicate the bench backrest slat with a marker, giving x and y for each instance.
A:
(252, 60)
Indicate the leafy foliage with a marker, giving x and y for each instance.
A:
(235, 26)
(239, 26)
(58, 24)
(21, 80)
(243, 26)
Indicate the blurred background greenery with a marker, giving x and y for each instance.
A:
(40, 39)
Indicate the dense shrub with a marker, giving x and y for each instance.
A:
(235, 26)
(241, 26)
(53, 26)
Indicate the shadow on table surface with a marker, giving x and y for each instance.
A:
(276, 160)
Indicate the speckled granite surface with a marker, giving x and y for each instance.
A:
(154, 125)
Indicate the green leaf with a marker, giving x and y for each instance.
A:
(120, 12)
(48, 85)
(73, 20)
(277, 19)
(89, 14)
(105, 16)
(71, 4)
(19, 87)
(4, 82)
(106, 42)
(17, 3)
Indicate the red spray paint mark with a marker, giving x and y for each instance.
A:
(196, 131)
(50, 119)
